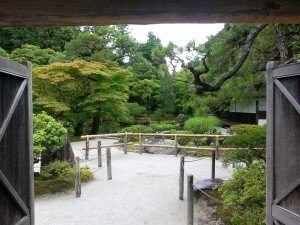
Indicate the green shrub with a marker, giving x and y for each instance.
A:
(135, 110)
(246, 191)
(137, 129)
(202, 125)
(48, 134)
(252, 141)
(164, 126)
(58, 176)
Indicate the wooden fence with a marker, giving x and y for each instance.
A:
(214, 149)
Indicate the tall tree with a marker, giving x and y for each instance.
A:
(44, 37)
(81, 91)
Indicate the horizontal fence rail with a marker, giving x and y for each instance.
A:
(156, 135)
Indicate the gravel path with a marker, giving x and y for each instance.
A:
(143, 191)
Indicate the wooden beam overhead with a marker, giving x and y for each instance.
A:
(104, 12)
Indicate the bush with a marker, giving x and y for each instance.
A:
(48, 134)
(137, 129)
(136, 110)
(252, 140)
(245, 191)
(152, 128)
(202, 125)
(164, 126)
(58, 176)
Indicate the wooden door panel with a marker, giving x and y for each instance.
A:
(16, 147)
(283, 145)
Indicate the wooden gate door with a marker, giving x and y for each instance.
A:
(16, 148)
(283, 144)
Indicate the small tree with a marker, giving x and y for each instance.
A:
(48, 136)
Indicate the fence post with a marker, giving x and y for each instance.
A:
(176, 145)
(213, 165)
(181, 178)
(125, 143)
(190, 200)
(77, 177)
(140, 144)
(87, 148)
(108, 159)
(99, 154)
(217, 144)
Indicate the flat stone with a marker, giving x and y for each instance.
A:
(211, 184)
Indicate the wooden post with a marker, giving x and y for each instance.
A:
(190, 200)
(217, 144)
(213, 165)
(176, 145)
(87, 148)
(125, 143)
(181, 178)
(77, 177)
(99, 154)
(109, 172)
(140, 144)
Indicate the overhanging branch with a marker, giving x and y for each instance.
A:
(203, 86)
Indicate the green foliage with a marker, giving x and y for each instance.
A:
(202, 125)
(44, 37)
(79, 91)
(36, 55)
(3, 53)
(152, 128)
(58, 176)
(252, 141)
(137, 129)
(135, 110)
(246, 191)
(164, 126)
(48, 134)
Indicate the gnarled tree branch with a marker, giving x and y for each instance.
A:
(202, 86)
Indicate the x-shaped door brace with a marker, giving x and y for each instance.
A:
(279, 213)
(3, 128)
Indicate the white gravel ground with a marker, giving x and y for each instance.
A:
(143, 191)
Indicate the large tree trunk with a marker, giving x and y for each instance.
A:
(78, 130)
(95, 125)
(282, 40)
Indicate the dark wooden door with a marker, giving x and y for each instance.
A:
(283, 144)
(16, 148)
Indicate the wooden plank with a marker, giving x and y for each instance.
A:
(286, 70)
(13, 193)
(24, 221)
(9, 67)
(12, 108)
(287, 190)
(29, 115)
(105, 12)
(285, 216)
(289, 97)
(270, 142)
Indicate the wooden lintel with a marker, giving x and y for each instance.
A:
(104, 12)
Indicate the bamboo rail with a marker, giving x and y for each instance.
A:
(155, 135)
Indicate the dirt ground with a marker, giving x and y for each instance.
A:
(143, 191)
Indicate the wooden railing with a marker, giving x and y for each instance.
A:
(214, 149)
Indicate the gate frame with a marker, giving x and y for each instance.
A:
(22, 71)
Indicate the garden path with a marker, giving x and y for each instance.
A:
(143, 191)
